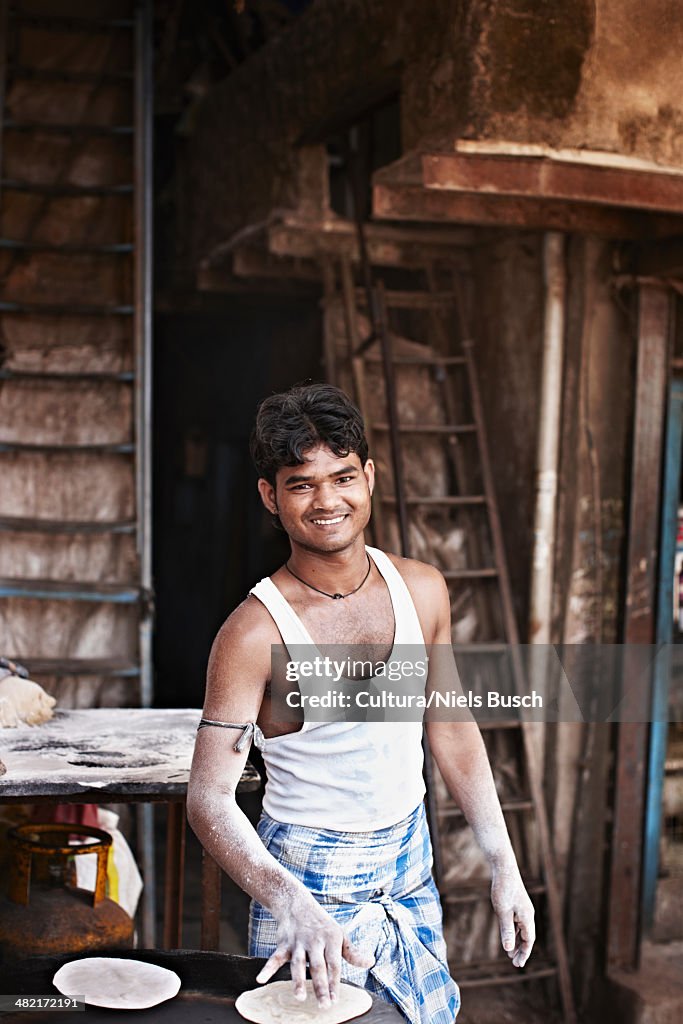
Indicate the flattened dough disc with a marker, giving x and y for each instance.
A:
(275, 1004)
(116, 983)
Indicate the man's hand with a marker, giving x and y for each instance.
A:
(306, 931)
(515, 913)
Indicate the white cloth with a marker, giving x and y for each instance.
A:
(124, 882)
(350, 776)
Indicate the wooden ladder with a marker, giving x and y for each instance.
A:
(370, 363)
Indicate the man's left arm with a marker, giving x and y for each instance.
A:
(462, 759)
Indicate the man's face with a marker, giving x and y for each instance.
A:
(323, 504)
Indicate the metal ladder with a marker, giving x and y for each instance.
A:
(454, 376)
(44, 46)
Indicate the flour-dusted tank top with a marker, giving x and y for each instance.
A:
(344, 776)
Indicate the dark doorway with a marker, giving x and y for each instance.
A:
(212, 539)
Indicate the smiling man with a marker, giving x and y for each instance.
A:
(339, 870)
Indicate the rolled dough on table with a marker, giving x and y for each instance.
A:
(22, 700)
(117, 983)
(275, 1004)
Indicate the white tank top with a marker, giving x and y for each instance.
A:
(344, 776)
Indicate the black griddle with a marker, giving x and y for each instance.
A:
(209, 985)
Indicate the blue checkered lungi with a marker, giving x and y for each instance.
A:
(378, 887)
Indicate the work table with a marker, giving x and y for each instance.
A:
(109, 755)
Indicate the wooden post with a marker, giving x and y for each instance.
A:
(174, 876)
(624, 914)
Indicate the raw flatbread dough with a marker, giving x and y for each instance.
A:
(275, 1004)
(117, 983)
(22, 700)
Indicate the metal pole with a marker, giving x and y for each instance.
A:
(673, 446)
(555, 276)
(547, 457)
(4, 12)
(143, 327)
(143, 406)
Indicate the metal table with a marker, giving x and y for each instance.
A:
(114, 755)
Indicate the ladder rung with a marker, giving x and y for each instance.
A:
(463, 499)
(70, 590)
(513, 805)
(115, 248)
(78, 666)
(68, 449)
(469, 574)
(50, 309)
(68, 23)
(55, 75)
(21, 524)
(426, 360)
(480, 891)
(38, 375)
(501, 972)
(430, 428)
(51, 128)
(65, 190)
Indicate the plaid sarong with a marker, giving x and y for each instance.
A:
(378, 887)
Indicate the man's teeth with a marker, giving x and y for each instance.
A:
(328, 522)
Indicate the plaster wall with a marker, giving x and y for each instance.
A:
(604, 75)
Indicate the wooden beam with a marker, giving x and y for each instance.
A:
(399, 193)
(624, 913)
(252, 262)
(388, 245)
(570, 179)
(414, 203)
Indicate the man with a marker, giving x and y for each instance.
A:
(340, 870)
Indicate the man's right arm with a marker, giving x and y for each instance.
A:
(239, 667)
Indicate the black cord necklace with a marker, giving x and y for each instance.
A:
(335, 597)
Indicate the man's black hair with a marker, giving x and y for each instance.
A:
(290, 424)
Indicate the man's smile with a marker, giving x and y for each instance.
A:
(329, 521)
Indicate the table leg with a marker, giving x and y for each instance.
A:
(211, 903)
(174, 875)
(145, 848)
